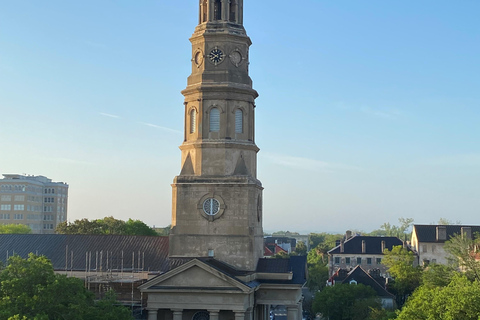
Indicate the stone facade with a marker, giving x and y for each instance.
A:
(219, 154)
(216, 241)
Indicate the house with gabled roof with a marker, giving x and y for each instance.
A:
(371, 279)
(364, 251)
(428, 240)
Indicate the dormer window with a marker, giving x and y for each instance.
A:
(214, 120)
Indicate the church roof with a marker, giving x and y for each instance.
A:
(106, 251)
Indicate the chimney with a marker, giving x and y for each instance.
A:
(348, 234)
(441, 233)
(467, 233)
(342, 246)
(383, 246)
(364, 247)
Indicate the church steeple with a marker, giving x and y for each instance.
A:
(221, 10)
(217, 197)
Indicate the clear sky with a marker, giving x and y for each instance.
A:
(368, 110)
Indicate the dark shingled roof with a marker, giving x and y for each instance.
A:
(373, 245)
(428, 233)
(361, 277)
(295, 264)
(149, 253)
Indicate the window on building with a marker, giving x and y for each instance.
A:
(19, 198)
(337, 260)
(6, 198)
(4, 216)
(18, 216)
(359, 260)
(347, 260)
(214, 120)
(369, 260)
(379, 260)
(433, 249)
(193, 120)
(238, 121)
(18, 207)
(6, 207)
(424, 248)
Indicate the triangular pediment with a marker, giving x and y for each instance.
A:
(195, 275)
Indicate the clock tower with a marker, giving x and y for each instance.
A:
(217, 198)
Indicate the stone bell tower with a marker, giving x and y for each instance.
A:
(217, 199)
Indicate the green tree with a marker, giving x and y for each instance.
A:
(464, 254)
(407, 277)
(137, 227)
(107, 225)
(301, 248)
(460, 300)
(15, 229)
(346, 302)
(323, 241)
(437, 275)
(400, 231)
(29, 289)
(317, 264)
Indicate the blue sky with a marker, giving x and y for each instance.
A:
(368, 110)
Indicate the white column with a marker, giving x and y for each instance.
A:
(152, 314)
(213, 314)
(292, 312)
(225, 9)
(239, 315)
(177, 314)
(211, 9)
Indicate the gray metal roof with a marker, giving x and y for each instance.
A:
(94, 252)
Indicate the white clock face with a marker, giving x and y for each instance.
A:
(211, 206)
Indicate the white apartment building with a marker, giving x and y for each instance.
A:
(35, 201)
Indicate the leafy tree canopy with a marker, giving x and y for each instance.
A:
(107, 225)
(346, 301)
(459, 300)
(399, 262)
(324, 241)
(464, 254)
(15, 229)
(30, 290)
(400, 231)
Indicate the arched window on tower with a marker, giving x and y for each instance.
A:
(217, 10)
(238, 121)
(233, 10)
(214, 120)
(193, 120)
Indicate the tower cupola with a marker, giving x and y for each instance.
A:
(221, 11)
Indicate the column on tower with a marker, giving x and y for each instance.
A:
(225, 9)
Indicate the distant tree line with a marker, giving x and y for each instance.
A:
(108, 226)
